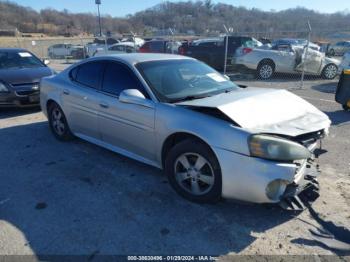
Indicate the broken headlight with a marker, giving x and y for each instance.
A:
(275, 148)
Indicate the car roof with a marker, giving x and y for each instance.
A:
(14, 50)
(134, 58)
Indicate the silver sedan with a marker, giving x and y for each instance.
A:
(285, 59)
(212, 138)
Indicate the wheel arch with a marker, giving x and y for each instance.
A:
(268, 61)
(178, 137)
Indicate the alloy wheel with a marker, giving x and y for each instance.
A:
(194, 173)
(330, 71)
(58, 121)
(266, 71)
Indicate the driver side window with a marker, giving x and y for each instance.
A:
(118, 77)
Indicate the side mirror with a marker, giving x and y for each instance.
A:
(134, 96)
(46, 61)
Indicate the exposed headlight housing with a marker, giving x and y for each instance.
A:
(3, 87)
(275, 148)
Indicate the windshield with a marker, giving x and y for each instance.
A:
(179, 80)
(21, 59)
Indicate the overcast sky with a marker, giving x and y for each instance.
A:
(122, 7)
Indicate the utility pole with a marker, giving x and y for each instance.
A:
(98, 3)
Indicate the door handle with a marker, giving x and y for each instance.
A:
(104, 105)
(66, 92)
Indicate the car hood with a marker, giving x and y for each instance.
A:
(24, 75)
(267, 111)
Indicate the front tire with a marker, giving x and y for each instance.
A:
(266, 70)
(58, 123)
(194, 172)
(329, 72)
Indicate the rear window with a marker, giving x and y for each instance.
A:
(88, 74)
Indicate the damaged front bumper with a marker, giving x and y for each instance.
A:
(297, 196)
(291, 185)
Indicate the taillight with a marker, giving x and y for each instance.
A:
(182, 50)
(142, 50)
(247, 50)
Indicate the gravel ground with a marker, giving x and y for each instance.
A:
(77, 198)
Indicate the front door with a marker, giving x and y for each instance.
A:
(128, 127)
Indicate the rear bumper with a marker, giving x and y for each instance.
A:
(20, 99)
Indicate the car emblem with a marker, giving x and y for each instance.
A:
(36, 87)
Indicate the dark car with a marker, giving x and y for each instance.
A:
(160, 46)
(212, 51)
(342, 95)
(20, 75)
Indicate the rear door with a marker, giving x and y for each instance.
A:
(128, 127)
(80, 98)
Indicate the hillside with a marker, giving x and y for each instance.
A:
(200, 17)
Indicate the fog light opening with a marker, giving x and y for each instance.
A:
(276, 188)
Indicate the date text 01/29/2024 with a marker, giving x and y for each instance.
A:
(171, 258)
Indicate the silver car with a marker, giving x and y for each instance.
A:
(285, 59)
(213, 138)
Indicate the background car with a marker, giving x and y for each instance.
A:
(20, 74)
(119, 48)
(178, 114)
(212, 51)
(60, 51)
(285, 59)
(160, 46)
(339, 48)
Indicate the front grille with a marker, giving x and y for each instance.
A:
(27, 92)
(26, 89)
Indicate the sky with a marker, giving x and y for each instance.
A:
(122, 8)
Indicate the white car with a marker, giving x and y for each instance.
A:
(119, 48)
(62, 50)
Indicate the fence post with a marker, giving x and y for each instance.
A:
(226, 50)
(305, 56)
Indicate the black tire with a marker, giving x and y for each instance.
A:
(265, 70)
(346, 107)
(211, 171)
(325, 72)
(62, 132)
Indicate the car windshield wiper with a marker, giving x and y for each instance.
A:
(191, 97)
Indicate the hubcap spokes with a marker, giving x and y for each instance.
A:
(57, 121)
(194, 173)
(331, 71)
(266, 71)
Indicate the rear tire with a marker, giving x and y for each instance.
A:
(194, 172)
(266, 70)
(58, 123)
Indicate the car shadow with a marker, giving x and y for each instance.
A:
(7, 112)
(339, 117)
(77, 198)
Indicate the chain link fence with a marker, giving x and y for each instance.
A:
(289, 58)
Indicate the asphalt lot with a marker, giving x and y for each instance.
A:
(77, 198)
